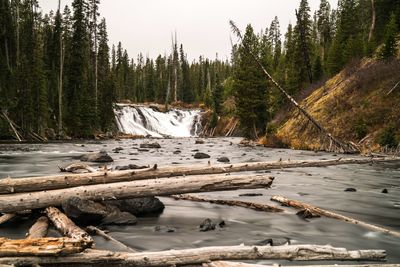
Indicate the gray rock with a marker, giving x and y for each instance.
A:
(207, 225)
(200, 155)
(139, 206)
(100, 157)
(118, 217)
(130, 167)
(307, 214)
(223, 159)
(84, 211)
(280, 241)
(199, 142)
(150, 145)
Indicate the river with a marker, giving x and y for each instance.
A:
(323, 187)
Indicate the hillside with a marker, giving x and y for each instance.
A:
(361, 104)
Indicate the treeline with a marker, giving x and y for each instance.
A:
(318, 46)
(59, 77)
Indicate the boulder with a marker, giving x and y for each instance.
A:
(139, 206)
(307, 214)
(385, 191)
(200, 155)
(150, 145)
(223, 159)
(100, 157)
(84, 211)
(199, 142)
(130, 167)
(164, 229)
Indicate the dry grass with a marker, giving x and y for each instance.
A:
(355, 98)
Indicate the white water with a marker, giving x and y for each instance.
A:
(141, 120)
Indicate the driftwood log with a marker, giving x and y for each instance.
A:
(67, 227)
(97, 231)
(7, 217)
(299, 205)
(40, 247)
(155, 187)
(202, 255)
(241, 264)
(39, 229)
(9, 186)
(243, 204)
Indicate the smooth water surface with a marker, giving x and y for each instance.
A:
(322, 187)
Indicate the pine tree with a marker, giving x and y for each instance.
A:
(249, 88)
(325, 30)
(186, 87)
(78, 94)
(389, 48)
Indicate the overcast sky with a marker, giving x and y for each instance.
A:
(201, 25)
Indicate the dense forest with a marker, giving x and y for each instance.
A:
(59, 76)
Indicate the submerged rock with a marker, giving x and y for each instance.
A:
(280, 241)
(385, 191)
(200, 155)
(207, 225)
(223, 159)
(100, 157)
(130, 167)
(199, 142)
(150, 145)
(350, 189)
(139, 206)
(164, 229)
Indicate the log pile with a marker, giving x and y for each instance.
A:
(44, 194)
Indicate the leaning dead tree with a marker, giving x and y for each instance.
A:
(339, 145)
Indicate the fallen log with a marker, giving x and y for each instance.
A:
(97, 231)
(243, 204)
(200, 255)
(7, 217)
(32, 184)
(299, 205)
(241, 264)
(40, 247)
(39, 229)
(155, 187)
(67, 227)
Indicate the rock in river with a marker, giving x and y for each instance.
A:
(200, 155)
(150, 145)
(139, 206)
(84, 211)
(223, 159)
(100, 157)
(207, 225)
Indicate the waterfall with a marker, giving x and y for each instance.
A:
(142, 120)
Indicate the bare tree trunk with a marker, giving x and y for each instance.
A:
(330, 214)
(373, 21)
(97, 231)
(155, 187)
(96, 58)
(7, 217)
(237, 203)
(67, 227)
(20, 185)
(39, 229)
(60, 81)
(201, 255)
(40, 247)
(241, 264)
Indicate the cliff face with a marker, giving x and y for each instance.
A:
(361, 104)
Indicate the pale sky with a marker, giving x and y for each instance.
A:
(202, 25)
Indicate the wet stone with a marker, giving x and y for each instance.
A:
(200, 155)
(99, 157)
(164, 229)
(350, 189)
(223, 159)
(150, 145)
(207, 225)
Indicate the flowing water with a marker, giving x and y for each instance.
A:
(142, 120)
(323, 187)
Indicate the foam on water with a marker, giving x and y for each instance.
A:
(141, 120)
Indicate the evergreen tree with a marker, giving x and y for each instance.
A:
(250, 87)
(389, 47)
